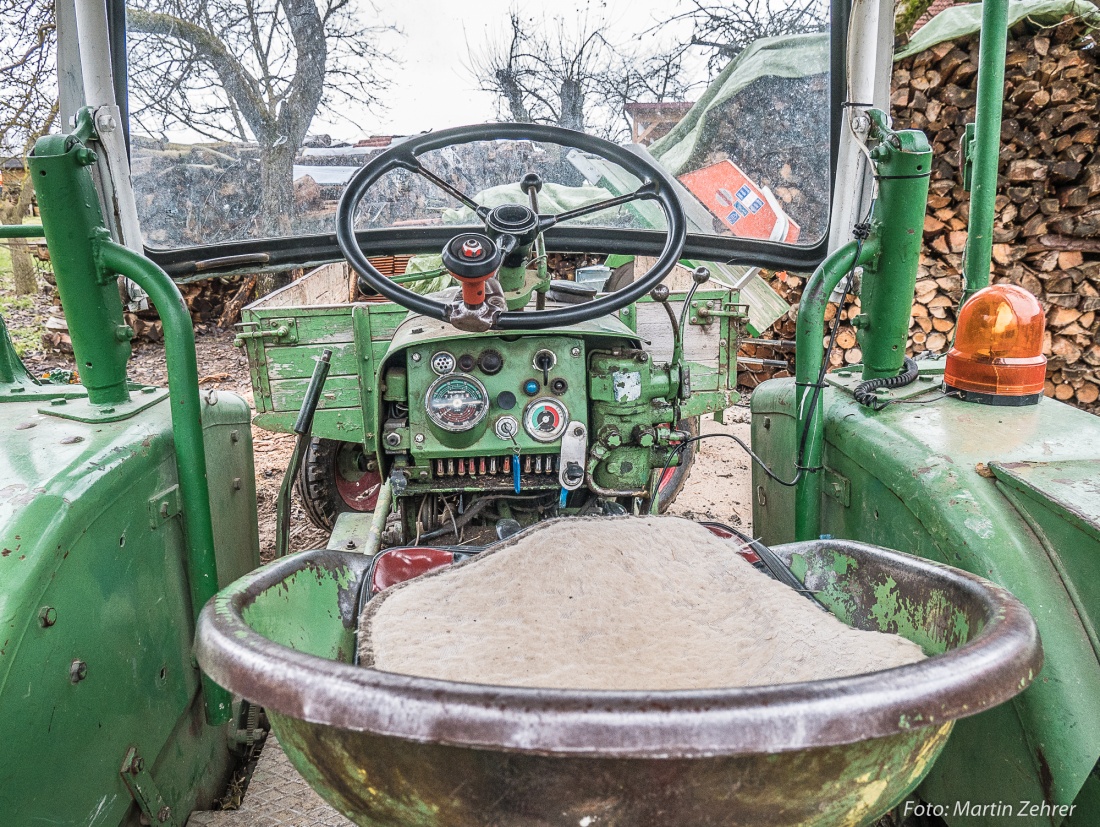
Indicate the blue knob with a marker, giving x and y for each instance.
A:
(531, 387)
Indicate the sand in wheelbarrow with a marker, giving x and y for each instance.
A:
(615, 603)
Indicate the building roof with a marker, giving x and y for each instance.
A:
(658, 107)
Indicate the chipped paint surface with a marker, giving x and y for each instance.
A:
(387, 749)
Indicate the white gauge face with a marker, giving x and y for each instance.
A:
(456, 402)
(443, 363)
(545, 419)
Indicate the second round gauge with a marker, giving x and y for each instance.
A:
(545, 419)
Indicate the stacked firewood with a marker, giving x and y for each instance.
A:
(1047, 227)
(213, 302)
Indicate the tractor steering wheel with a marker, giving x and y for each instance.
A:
(657, 185)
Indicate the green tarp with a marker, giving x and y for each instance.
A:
(960, 21)
(790, 56)
(795, 56)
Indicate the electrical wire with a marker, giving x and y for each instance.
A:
(861, 231)
(679, 449)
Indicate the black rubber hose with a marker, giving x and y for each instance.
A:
(865, 391)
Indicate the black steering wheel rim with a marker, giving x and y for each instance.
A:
(404, 156)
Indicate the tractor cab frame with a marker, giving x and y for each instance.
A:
(129, 506)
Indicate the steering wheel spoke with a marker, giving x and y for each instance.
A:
(480, 211)
(646, 191)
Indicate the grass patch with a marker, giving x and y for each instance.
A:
(19, 312)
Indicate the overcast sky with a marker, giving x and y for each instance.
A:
(433, 84)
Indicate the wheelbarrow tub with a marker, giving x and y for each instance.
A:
(388, 749)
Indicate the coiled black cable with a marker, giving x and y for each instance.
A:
(865, 391)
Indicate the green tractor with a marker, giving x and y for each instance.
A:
(436, 412)
(143, 646)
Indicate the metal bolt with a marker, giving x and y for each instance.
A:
(578, 430)
(124, 333)
(137, 765)
(349, 545)
(419, 439)
(234, 436)
(575, 352)
(236, 483)
(78, 671)
(57, 401)
(164, 814)
(47, 616)
(416, 357)
(85, 157)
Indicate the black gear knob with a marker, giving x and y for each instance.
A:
(531, 181)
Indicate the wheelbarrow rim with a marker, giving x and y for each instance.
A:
(998, 663)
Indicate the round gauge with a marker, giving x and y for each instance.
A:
(456, 402)
(443, 363)
(545, 419)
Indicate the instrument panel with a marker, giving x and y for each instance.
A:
(490, 397)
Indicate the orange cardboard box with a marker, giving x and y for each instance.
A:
(748, 210)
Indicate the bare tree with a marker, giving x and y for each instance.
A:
(255, 70)
(28, 109)
(546, 71)
(726, 28)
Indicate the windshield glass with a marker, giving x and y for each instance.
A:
(248, 119)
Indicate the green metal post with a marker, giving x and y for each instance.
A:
(21, 231)
(985, 151)
(183, 389)
(889, 257)
(809, 354)
(71, 223)
(903, 162)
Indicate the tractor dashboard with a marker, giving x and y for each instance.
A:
(470, 407)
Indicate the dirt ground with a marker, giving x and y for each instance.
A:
(718, 487)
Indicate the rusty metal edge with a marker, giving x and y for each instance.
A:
(998, 664)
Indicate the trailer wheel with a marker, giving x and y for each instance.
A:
(336, 477)
(674, 478)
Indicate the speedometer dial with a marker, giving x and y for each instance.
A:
(456, 402)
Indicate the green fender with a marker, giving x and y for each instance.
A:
(917, 477)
